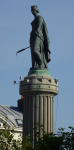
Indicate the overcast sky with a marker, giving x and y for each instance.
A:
(15, 28)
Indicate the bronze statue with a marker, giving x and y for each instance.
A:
(39, 41)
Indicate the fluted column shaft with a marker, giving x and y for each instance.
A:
(38, 109)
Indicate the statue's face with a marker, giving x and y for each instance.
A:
(33, 11)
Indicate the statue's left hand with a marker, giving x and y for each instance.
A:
(36, 32)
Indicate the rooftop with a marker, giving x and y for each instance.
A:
(14, 115)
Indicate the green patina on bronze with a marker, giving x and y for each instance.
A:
(39, 72)
(39, 41)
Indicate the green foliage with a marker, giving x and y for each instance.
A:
(7, 141)
(49, 141)
(27, 143)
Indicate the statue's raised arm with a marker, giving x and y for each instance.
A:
(39, 41)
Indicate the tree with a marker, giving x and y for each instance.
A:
(49, 141)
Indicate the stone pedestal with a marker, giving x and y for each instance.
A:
(38, 90)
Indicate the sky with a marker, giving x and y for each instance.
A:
(15, 28)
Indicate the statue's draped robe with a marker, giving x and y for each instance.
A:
(39, 43)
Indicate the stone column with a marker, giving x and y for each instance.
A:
(38, 90)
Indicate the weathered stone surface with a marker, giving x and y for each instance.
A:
(39, 81)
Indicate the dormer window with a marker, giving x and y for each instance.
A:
(19, 122)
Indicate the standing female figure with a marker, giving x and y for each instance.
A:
(39, 41)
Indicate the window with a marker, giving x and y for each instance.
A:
(19, 122)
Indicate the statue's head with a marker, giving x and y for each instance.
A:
(34, 9)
